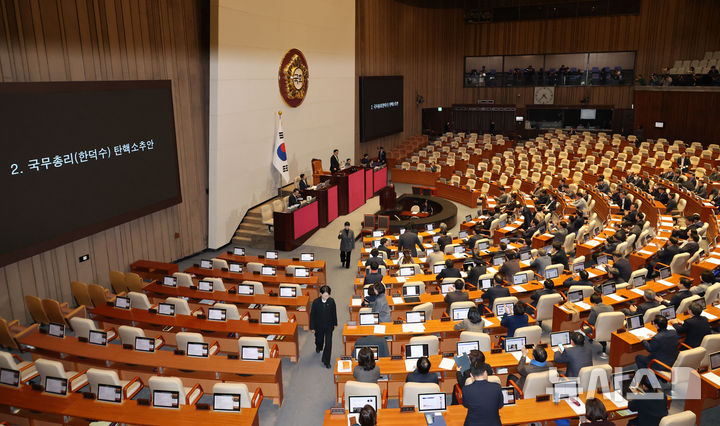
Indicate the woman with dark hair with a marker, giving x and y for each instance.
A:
(367, 416)
(406, 258)
(473, 322)
(366, 371)
(323, 320)
(596, 414)
(518, 319)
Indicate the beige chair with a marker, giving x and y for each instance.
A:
(595, 377)
(353, 388)
(433, 343)
(258, 341)
(587, 290)
(80, 293)
(711, 343)
(257, 286)
(426, 307)
(128, 335)
(535, 384)
(183, 338)
(504, 301)
(241, 389)
(219, 263)
(181, 306)
(187, 395)
(49, 368)
(712, 294)
(82, 326)
(483, 339)
(651, 313)
(279, 309)
(679, 264)
(139, 300)
(99, 294)
(267, 213)
(133, 282)
(218, 284)
(605, 325)
(544, 308)
(183, 279)
(691, 358)
(60, 313)
(117, 281)
(98, 376)
(254, 267)
(8, 332)
(13, 362)
(231, 310)
(531, 333)
(409, 392)
(460, 305)
(685, 418)
(35, 307)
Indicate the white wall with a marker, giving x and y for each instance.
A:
(248, 41)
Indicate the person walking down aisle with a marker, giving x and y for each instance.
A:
(323, 320)
(347, 244)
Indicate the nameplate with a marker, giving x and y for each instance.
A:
(179, 352)
(409, 409)
(337, 411)
(233, 356)
(496, 350)
(435, 292)
(397, 322)
(201, 316)
(143, 401)
(346, 358)
(395, 357)
(82, 339)
(254, 321)
(88, 395)
(36, 387)
(542, 398)
(193, 287)
(152, 311)
(202, 406)
(127, 346)
(449, 355)
(445, 319)
(111, 304)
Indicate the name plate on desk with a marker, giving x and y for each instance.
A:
(408, 409)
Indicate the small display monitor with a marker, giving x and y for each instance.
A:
(504, 308)
(485, 283)
(560, 338)
(459, 314)
(356, 403)
(565, 389)
(268, 271)
(665, 273)
(402, 231)
(271, 255)
(56, 385)
(430, 227)
(197, 349)
(376, 243)
(252, 353)
(226, 402)
(438, 268)
(465, 347)
(435, 238)
(446, 288)
(369, 318)
(608, 289)
(288, 292)
(166, 309)
(56, 330)
(551, 273)
(204, 285)
(602, 259)
(483, 245)
(122, 302)
(98, 337)
(373, 348)
(513, 344)
(378, 233)
(635, 321)
(414, 317)
(519, 119)
(236, 267)
(302, 272)
(431, 402)
(109, 393)
(246, 289)
(577, 267)
(463, 235)
(498, 260)
(166, 399)
(239, 251)
(407, 271)
(307, 257)
(505, 240)
(411, 290)
(575, 296)
(9, 377)
(144, 344)
(520, 278)
(502, 224)
(416, 350)
(217, 314)
(170, 281)
(668, 312)
(638, 281)
(508, 395)
(269, 317)
(525, 255)
(659, 124)
(714, 360)
(206, 264)
(622, 382)
(468, 218)
(458, 249)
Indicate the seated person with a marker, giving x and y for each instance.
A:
(456, 295)
(302, 183)
(374, 276)
(369, 300)
(682, 293)
(517, 320)
(622, 264)
(666, 254)
(470, 242)
(367, 416)
(474, 322)
(561, 233)
(497, 290)
(473, 275)
(436, 256)
(598, 307)
(692, 244)
(541, 262)
(596, 414)
(294, 198)
(365, 161)
(373, 340)
(695, 328)
(422, 372)
(577, 356)
(383, 247)
(707, 278)
(406, 258)
(449, 272)
(511, 265)
(662, 347)
(650, 300)
(559, 256)
(548, 288)
(444, 240)
(578, 278)
(375, 256)
(536, 365)
(366, 371)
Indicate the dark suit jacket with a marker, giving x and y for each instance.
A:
(334, 164)
(624, 204)
(410, 241)
(666, 255)
(678, 297)
(473, 276)
(650, 411)
(576, 357)
(483, 401)
(670, 206)
(624, 267)
(560, 257)
(663, 347)
(323, 316)
(513, 322)
(378, 259)
(443, 241)
(292, 200)
(542, 292)
(493, 293)
(695, 329)
(690, 247)
(645, 306)
(448, 273)
(385, 249)
(372, 278)
(303, 185)
(597, 310)
(422, 378)
(455, 296)
(510, 268)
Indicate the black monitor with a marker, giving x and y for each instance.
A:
(460, 313)
(485, 283)
(269, 317)
(513, 344)
(307, 257)
(167, 309)
(239, 251)
(508, 395)
(226, 402)
(714, 360)
(465, 347)
(271, 255)
(416, 350)
(560, 338)
(525, 254)
(287, 292)
(431, 402)
(551, 273)
(356, 403)
(498, 260)
(411, 290)
(122, 302)
(468, 218)
(246, 289)
(565, 390)
(575, 296)
(504, 308)
(197, 349)
(302, 272)
(602, 259)
(622, 382)
(9, 377)
(217, 314)
(668, 312)
(373, 348)
(206, 264)
(56, 330)
(463, 235)
(665, 273)
(638, 281)
(236, 268)
(446, 288)
(438, 268)
(520, 278)
(56, 385)
(577, 267)
(483, 245)
(204, 285)
(608, 289)
(430, 227)
(269, 271)
(144, 344)
(170, 281)
(98, 337)
(407, 271)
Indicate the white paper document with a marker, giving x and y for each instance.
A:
(397, 300)
(422, 259)
(665, 283)
(593, 243)
(713, 260)
(492, 270)
(709, 316)
(379, 329)
(413, 328)
(712, 377)
(638, 291)
(410, 364)
(344, 366)
(487, 322)
(647, 252)
(616, 398)
(356, 302)
(577, 405)
(591, 274)
(616, 297)
(401, 279)
(508, 228)
(517, 355)
(519, 288)
(583, 305)
(447, 364)
(459, 255)
(642, 333)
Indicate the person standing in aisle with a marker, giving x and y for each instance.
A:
(347, 243)
(323, 320)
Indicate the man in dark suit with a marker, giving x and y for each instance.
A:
(450, 271)
(671, 205)
(695, 328)
(548, 288)
(559, 255)
(365, 161)
(632, 216)
(577, 356)
(472, 240)
(511, 266)
(598, 307)
(444, 239)
(302, 184)
(375, 257)
(409, 240)
(457, 295)
(692, 245)
(497, 290)
(622, 264)
(473, 275)
(323, 320)
(482, 399)
(536, 365)
(581, 278)
(335, 161)
(624, 202)
(382, 155)
(683, 163)
(383, 247)
(374, 276)
(662, 347)
(294, 198)
(685, 284)
(602, 186)
(649, 301)
(666, 255)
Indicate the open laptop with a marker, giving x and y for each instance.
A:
(468, 218)
(602, 260)
(56, 330)
(463, 235)
(575, 296)
(269, 271)
(520, 278)
(668, 312)
(513, 344)
(551, 273)
(664, 273)
(498, 260)
(416, 350)
(608, 289)
(431, 402)
(166, 399)
(714, 360)
(9, 377)
(508, 395)
(438, 268)
(236, 267)
(378, 233)
(411, 293)
(307, 257)
(170, 281)
(577, 267)
(635, 321)
(167, 309)
(483, 245)
(565, 390)
(197, 349)
(465, 347)
(217, 314)
(239, 251)
(269, 317)
(122, 302)
(271, 254)
(369, 318)
(638, 281)
(356, 403)
(407, 271)
(622, 382)
(446, 288)
(458, 249)
(205, 285)
(504, 308)
(485, 283)
(98, 337)
(525, 255)
(560, 338)
(302, 272)
(226, 402)
(287, 291)
(109, 393)
(414, 317)
(252, 353)
(460, 313)
(373, 348)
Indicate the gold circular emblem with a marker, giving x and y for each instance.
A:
(293, 78)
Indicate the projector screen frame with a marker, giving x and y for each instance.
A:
(96, 227)
(363, 119)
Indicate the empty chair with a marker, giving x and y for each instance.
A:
(55, 313)
(82, 327)
(595, 377)
(266, 211)
(219, 263)
(605, 325)
(679, 265)
(277, 205)
(409, 392)
(133, 282)
(128, 335)
(684, 305)
(97, 376)
(690, 358)
(483, 339)
(258, 342)
(13, 362)
(279, 309)
(183, 338)
(544, 310)
(183, 279)
(712, 294)
(181, 306)
(426, 307)
(241, 389)
(254, 267)
(139, 300)
(433, 343)
(684, 418)
(217, 283)
(49, 368)
(35, 307)
(187, 396)
(297, 287)
(531, 333)
(99, 294)
(535, 384)
(231, 310)
(353, 388)
(117, 281)
(80, 294)
(8, 333)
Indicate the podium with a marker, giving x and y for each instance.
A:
(351, 188)
(294, 227)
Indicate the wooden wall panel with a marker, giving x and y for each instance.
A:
(77, 40)
(428, 46)
(688, 115)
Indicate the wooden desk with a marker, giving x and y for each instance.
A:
(158, 292)
(318, 266)
(153, 270)
(78, 356)
(411, 214)
(292, 228)
(312, 282)
(462, 195)
(222, 331)
(414, 177)
(709, 396)
(79, 408)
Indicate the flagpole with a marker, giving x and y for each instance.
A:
(281, 179)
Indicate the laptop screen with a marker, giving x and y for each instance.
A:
(122, 302)
(236, 267)
(9, 377)
(520, 278)
(665, 273)
(438, 268)
(465, 347)
(302, 272)
(369, 318)
(577, 267)
(483, 245)
(430, 227)
(239, 251)
(414, 317)
(166, 399)
(268, 271)
(575, 296)
(608, 289)
(551, 273)
(502, 224)
(170, 281)
(411, 290)
(288, 292)
(668, 312)
(407, 271)
(97, 337)
(271, 254)
(269, 317)
(431, 402)
(446, 288)
(205, 264)
(307, 257)
(356, 403)
(144, 344)
(622, 382)
(246, 289)
(402, 231)
(460, 313)
(508, 395)
(378, 233)
(485, 283)
(166, 309)
(504, 308)
(463, 235)
(498, 260)
(205, 285)
(226, 402)
(565, 390)
(435, 238)
(513, 344)
(415, 351)
(56, 330)
(252, 353)
(560, 337)
(468, 218)
(635, 321)
(525, 255)
(376, 243)
(56, 385)
(217, 314)
(714, 360)
(197, 349)
(373, 348)
(459, 249)
(602, 259)
(109, 393)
